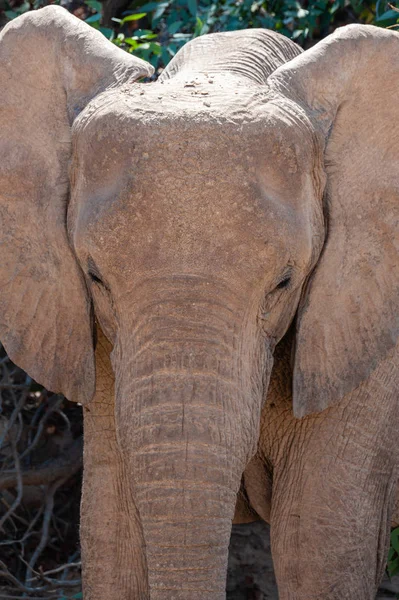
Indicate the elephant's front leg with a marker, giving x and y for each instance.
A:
(114, 566)
(334, 486)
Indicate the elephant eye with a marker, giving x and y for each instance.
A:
(93, 272)
(284, 283)
(94, 277)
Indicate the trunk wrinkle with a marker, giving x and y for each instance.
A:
(187, 424)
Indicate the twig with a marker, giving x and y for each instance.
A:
(53, 595)
(39, 431)
(62, 568)
(48, 511)
(24, 588)
(64, 418)
(23, 431)
(18, 499)
(13, 418)
(63, 466)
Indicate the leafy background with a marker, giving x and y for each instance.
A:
(156, 30)
(39, 489)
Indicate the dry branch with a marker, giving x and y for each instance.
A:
(62, 467)
(40, 457)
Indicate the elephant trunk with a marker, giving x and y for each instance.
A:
(188, 429)
(186, 515)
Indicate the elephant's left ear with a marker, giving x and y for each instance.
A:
(51, 66)
(348, 87)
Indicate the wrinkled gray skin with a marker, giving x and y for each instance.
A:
(199, 215)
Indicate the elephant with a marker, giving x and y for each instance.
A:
(208, 263)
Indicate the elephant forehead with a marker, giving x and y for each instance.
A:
(167, 131)
(168, 188)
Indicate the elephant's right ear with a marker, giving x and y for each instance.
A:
(51, 66)
(346, 88)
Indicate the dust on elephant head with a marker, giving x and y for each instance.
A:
(199, 215)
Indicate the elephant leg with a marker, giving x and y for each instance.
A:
(334, 488)
(329, 531)
(113, 554)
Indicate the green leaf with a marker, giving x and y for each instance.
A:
(145, 34)
(155, 48)
(107, 32)
(198, 27)
(390, 16)
(93, 18)
(135, 17)
(192, 7)
(150, 6)
(172, 48)
(22, 9)
(182, 36)
(165, 56)
(10, 14)
(116, 20)
(141, 32)
(162, 6)
(94, 4)
(395, 540)
(174, 28)
(132, 42)
(335, 6)
(296, 34)
(302, 13)
(152, 59)
(393, 567)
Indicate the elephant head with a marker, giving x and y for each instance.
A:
(198, 215)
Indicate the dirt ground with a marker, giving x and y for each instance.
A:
(250, 574)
